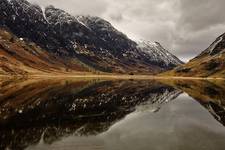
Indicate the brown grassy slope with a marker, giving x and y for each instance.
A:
(210, 63)
(206, 66)
(20, 57)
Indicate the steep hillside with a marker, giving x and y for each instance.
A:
(90, 40)
(21, 57)
(155, 52)
(210, 63)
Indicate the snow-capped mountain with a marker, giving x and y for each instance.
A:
(157, 54)
(91, 40)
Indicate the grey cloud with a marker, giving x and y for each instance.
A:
(201, 14)
(117, 17)
(77, 7)
(185, 27)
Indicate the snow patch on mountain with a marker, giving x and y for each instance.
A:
(157, 100)
(156, 53)
(68, 35)
(212, 47)
(43, 13)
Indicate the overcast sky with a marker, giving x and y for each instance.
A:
(184, 27)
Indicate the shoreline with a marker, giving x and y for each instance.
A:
(113, 76)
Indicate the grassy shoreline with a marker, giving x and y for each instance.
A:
(112, 76)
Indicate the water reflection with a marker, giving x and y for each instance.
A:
(119, 114)
(182, 124)
(211, 94)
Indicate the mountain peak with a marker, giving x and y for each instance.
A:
(145, 43)
(91, 40)
(157, 53)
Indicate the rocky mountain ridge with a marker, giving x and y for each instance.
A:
(91, 40)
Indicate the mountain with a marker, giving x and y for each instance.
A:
(210, 63)
(158, 55)
(91, 41)
(20, 57)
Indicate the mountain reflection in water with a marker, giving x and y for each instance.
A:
(58, 114)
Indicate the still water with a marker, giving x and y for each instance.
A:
(85, 114)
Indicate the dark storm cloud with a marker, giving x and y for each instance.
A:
(185, 27)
